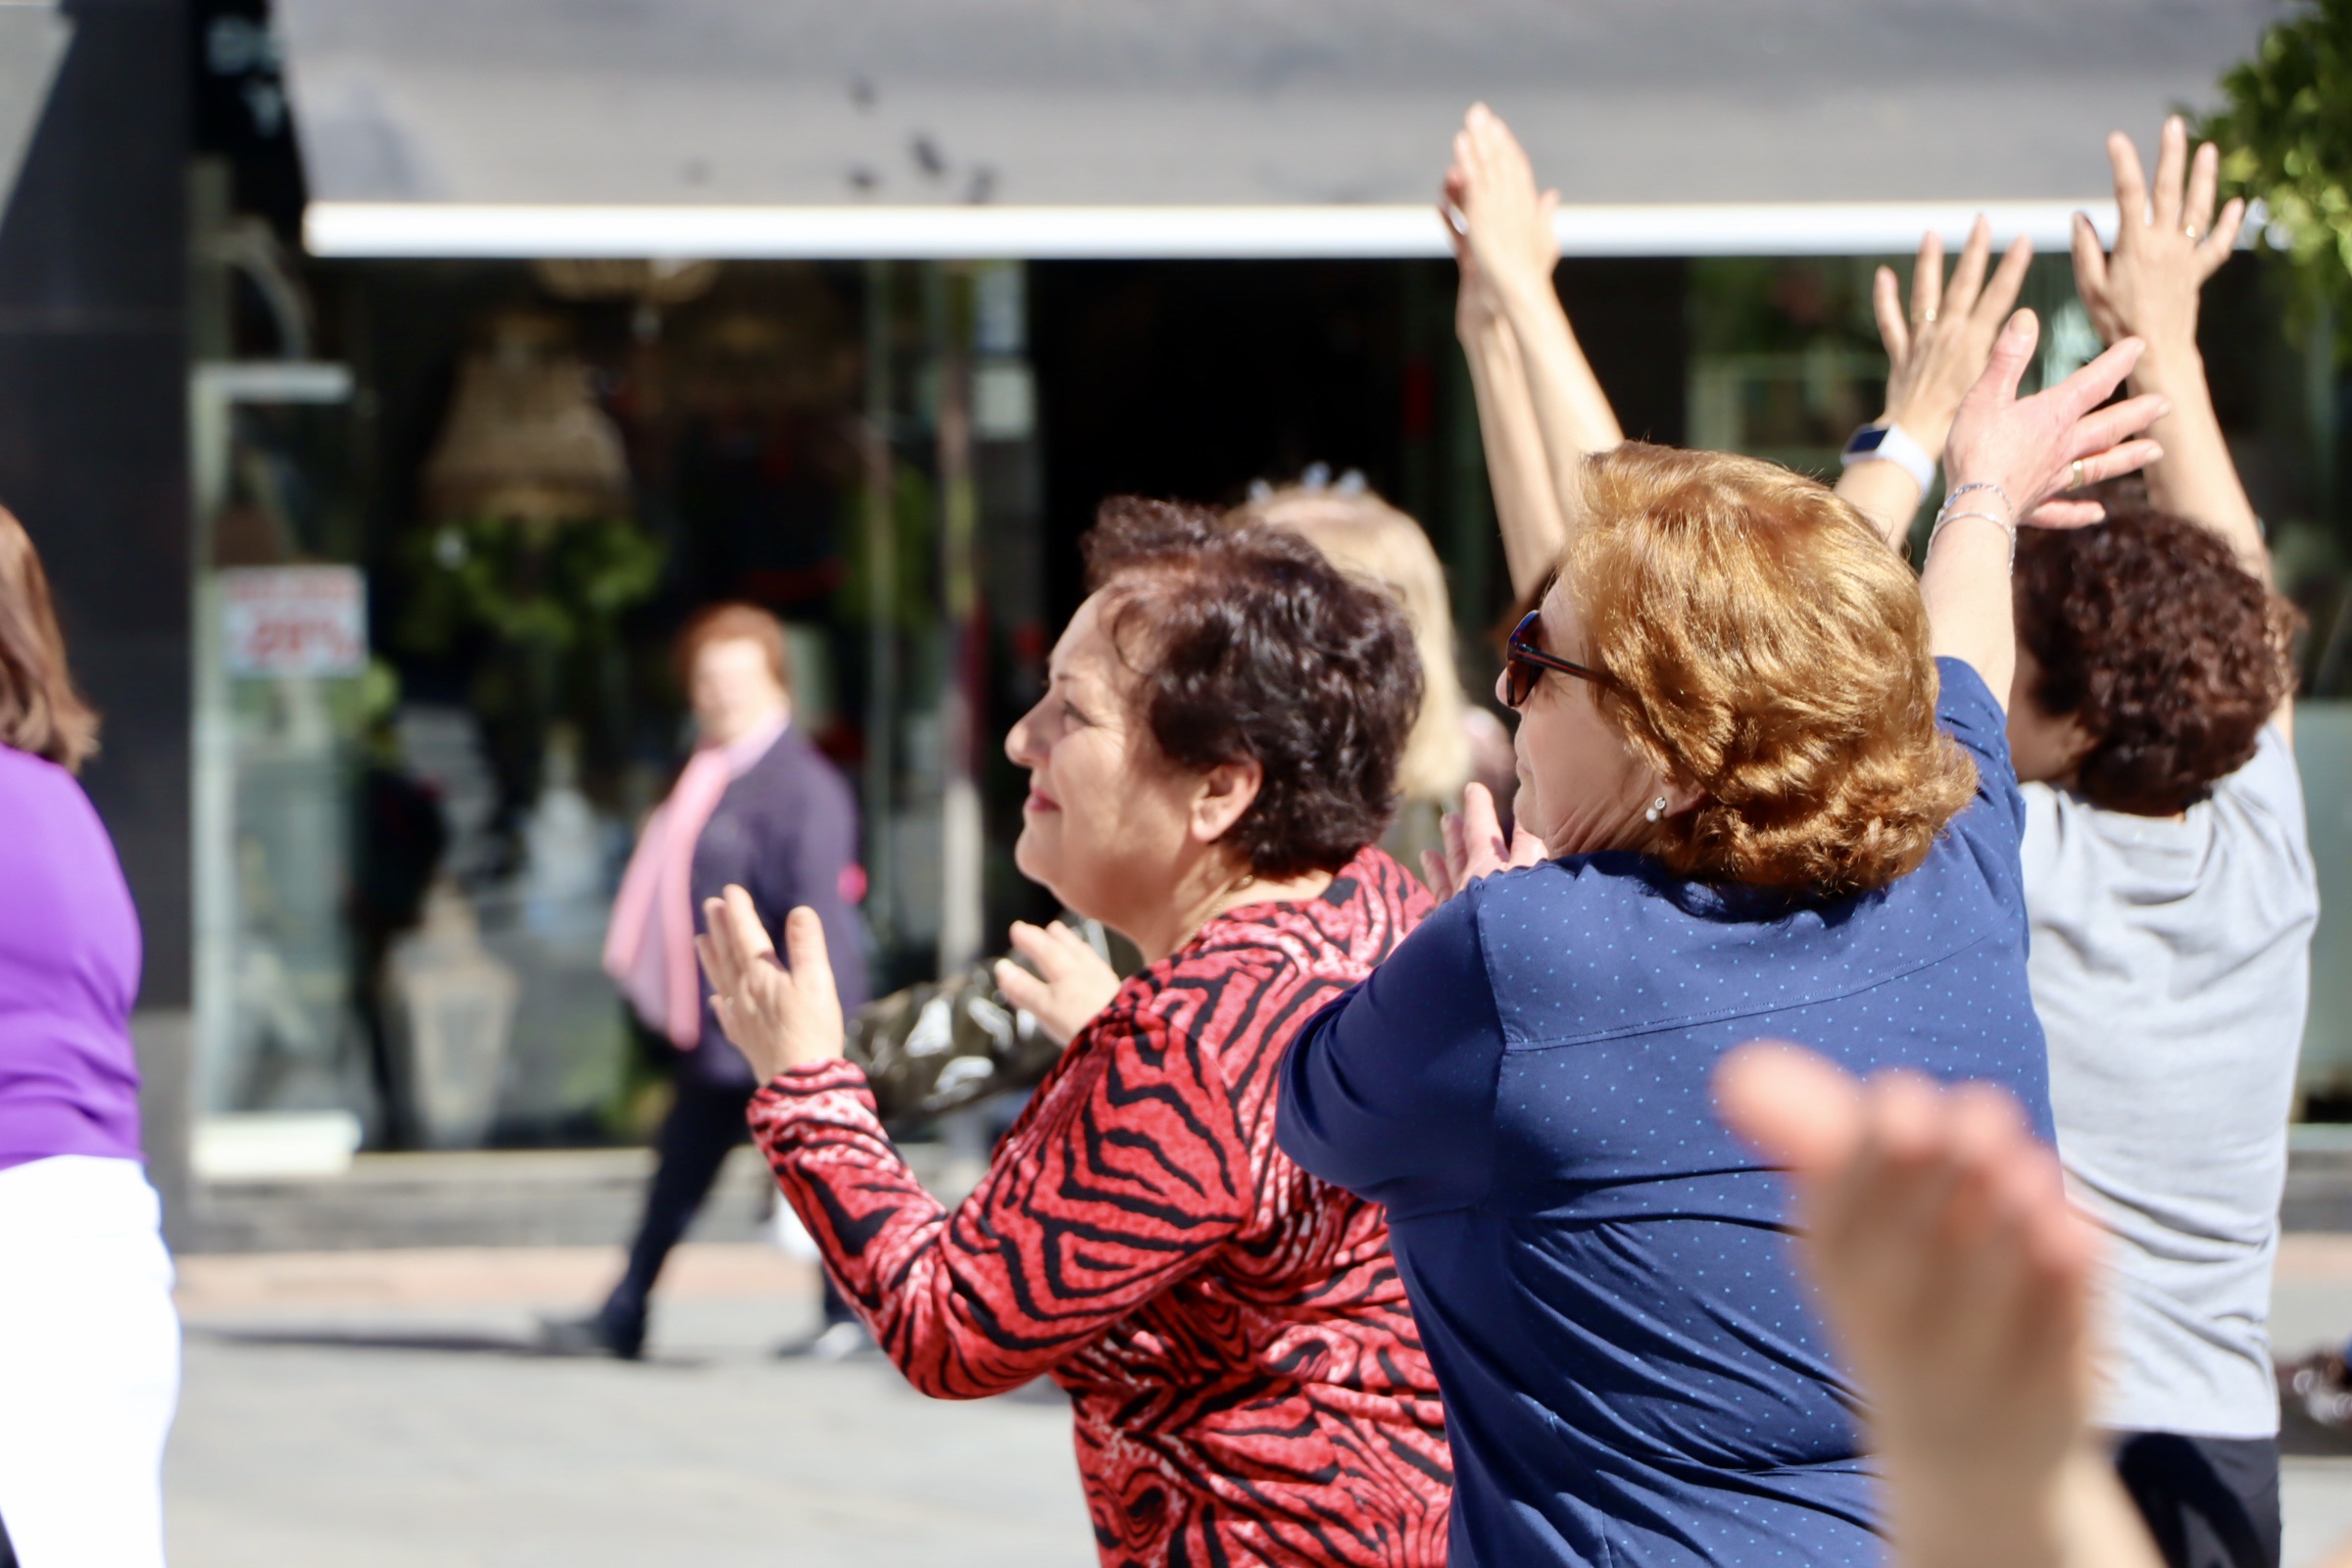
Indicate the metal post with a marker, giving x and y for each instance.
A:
(961, 833)
(881, 609)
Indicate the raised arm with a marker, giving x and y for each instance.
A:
(2167, 243)
(2007, 457)
(1509, 237)
(1934, 355)
(1527, 508)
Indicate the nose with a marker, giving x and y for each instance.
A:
(1017, 741)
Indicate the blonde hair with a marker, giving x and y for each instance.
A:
(1765, 645)
(1365, 537)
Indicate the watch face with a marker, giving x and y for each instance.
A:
(1867, 439)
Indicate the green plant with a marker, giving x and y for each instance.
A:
(2286, 136)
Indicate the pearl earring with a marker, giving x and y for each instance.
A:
(1658, 808)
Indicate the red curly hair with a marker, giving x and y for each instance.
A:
(1766, 646)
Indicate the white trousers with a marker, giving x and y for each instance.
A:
(90, 1364)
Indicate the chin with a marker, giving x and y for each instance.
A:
(1031, 858)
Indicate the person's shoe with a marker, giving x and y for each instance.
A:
(593, 1335)
(2322, 1384)
(835, 1341)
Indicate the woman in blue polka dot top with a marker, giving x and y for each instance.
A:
(1768, 791)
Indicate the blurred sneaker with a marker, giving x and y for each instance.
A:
(596, 1334)
(835, 1341)
(2322, 1385)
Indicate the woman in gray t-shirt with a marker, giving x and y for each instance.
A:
(2171, 894)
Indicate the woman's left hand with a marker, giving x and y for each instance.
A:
(1475, 846)
(2030, 449)
(1071, 982)
(778, 1019)
(1936, 353)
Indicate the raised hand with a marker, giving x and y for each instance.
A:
(777, 1017)
(2026, 450)
(1475, 306)
(1071, 984)
(1936, 352)
(1508, 222)
(1957, 1280)
(2168, 241)
(1475, 846)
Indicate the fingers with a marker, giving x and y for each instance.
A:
(1968, 276)
(1036, 944)
(805, 951)
(1796, 1108)
(2090, 262)
(1025, 991)
(2172, 171)
(2106, 430)
(2008, 281)
(1432, 873)
(1886, 303)
(2065, 514)
(2095, 382)
(2215, 248)
(1926, 278)
(1482, 826)
(2204, 189)
(2131, 187)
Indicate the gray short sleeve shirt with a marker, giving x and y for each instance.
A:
(2171, 966)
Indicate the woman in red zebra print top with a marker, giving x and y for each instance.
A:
(1209, 765)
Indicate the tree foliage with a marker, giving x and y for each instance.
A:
(2286, 136)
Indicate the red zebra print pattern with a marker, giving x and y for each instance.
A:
(1244, 1370)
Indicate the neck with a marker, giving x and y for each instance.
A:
(1204, 891)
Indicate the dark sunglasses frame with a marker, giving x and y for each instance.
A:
(1524, 663)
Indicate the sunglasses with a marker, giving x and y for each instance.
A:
(1524, 663)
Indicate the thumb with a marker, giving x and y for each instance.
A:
(805, 952)
(2012, 352)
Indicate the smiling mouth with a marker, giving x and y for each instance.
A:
(1040, 800)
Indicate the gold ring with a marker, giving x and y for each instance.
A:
(2077, 473)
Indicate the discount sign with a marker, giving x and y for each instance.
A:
(295, 621)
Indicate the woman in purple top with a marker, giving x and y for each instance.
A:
(89, 1344)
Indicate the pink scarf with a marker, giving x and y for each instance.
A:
(649, 948)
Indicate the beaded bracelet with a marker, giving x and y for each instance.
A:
(1959, 490)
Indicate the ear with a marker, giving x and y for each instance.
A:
(1682, 798)
(1223, 797)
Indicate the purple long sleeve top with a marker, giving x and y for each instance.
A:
(68, 973)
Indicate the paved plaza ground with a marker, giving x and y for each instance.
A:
(372, 1409)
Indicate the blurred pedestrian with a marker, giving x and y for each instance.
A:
(1209, 767)
(755, 807)
(90, 1341)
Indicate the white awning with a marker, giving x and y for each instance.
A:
(1214, 127)
(33, 37)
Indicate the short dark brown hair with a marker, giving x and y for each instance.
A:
(41, 712)
(2153, 637)
(1249, 644)
(731, 622)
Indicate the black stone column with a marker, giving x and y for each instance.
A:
(93, 458)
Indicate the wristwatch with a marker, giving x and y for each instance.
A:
(1890, 443)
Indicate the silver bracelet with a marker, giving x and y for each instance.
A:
(1947, 515)
(1959, 490)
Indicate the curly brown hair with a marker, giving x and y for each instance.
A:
(1764, 645)
(2164, 649)
(1247, 643)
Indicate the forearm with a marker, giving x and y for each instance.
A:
(1573, 416)
(2196, 477)
(1970, 616)
(1885, 495)
(1528, 510)
(887, 1243)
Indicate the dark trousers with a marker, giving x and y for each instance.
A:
(2209, 1502)
(705, 1121)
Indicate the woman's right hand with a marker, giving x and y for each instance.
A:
(2028, 450)
(1475, 307)
(2167, 243)
(1508, 222)
(1072, 982)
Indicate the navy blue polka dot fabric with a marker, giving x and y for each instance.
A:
(1634, 1374)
